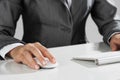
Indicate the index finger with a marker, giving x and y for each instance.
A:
(45, 52)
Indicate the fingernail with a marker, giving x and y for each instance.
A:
(36, 67)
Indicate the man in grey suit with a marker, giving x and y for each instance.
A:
(52, 23)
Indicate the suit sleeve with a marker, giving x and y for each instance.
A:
(10, 11)
(104, 13)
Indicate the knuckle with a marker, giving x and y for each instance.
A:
(46, 51)
(116, 40)
(31, 48)
(29, 45)
(37, 43)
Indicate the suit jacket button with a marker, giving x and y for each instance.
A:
(66, 29)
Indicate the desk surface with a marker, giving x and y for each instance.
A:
(68, 69)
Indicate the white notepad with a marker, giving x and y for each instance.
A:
(101, 58)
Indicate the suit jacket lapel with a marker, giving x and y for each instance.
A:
(64, 2)
(75, 5)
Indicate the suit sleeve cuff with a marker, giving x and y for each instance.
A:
(108, 41)
(7, 48)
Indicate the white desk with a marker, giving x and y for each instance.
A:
(67, 69)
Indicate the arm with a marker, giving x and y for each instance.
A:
(104, 13)
(10, 11)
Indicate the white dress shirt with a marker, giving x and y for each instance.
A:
(8, 48)
(69, 3)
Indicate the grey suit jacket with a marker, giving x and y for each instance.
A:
(52, 24)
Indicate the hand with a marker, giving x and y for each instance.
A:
(115, 42)
(26, 53)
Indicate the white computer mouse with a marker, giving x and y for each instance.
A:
(49, 65)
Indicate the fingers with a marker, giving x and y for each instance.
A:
(45, 52)
(30, 61)
(36, 52)
(115, 42)
(113, 47)
(25, 61)
(25, 55)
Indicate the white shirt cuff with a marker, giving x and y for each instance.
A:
(7, 48)
(111, 36)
